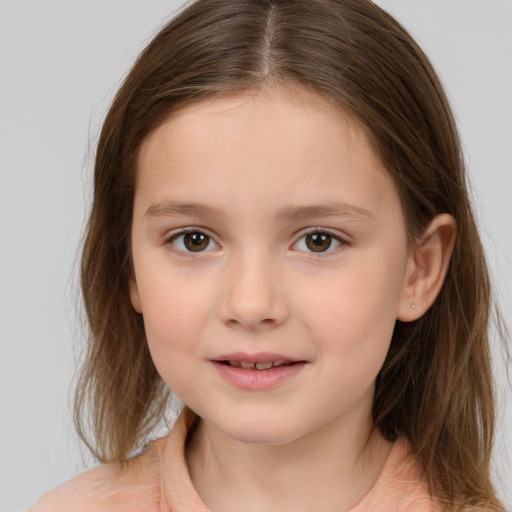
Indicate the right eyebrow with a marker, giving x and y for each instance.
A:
(173, 209)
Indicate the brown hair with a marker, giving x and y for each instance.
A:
(436, 384)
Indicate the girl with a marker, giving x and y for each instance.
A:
(281, 235)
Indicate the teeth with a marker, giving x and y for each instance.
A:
(264, 366)
(258, 366)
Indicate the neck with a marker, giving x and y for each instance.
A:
(330, 469)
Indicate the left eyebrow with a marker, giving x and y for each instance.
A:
(293, 212)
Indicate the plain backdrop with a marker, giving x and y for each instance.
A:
(60, 64)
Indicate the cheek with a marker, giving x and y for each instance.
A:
(352, 315)
(174, 316)
(352, 332)
(172, 341)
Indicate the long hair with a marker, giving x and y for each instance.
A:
(435, 387)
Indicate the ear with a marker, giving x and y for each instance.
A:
(134, 295)
(426, 268)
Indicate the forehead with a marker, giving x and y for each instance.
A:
(255, 114)
(258, 147)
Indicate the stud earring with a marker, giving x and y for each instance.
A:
(413, 306)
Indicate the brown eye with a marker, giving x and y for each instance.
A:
(196, 242)
(193, 241)
(318, 242)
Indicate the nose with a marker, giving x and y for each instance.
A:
(252, 297)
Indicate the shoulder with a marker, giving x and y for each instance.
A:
(129, 486)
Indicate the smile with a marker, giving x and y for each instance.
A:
(257, 366)
(257, 372)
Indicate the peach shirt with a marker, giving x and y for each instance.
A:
(158, 480)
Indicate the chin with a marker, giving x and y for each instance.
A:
(260, 432)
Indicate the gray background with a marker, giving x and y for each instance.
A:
(60, 63)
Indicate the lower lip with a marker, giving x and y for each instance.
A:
(254, 380)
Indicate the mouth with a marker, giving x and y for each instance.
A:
(261, 361)
(257, 371)
(260, 366)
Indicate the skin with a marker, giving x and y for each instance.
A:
(254, 165)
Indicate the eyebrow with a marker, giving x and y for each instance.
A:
(291, 212)
(172, 209)
(337, 209)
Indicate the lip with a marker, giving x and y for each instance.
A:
(253, 379)
(260, 357)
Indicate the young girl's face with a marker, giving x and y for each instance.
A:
(265, 230)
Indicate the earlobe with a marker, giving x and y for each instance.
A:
(135, 296)
(427, 267)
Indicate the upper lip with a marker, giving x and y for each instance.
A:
(261, 357)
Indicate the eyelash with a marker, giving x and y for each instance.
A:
(171, 240)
